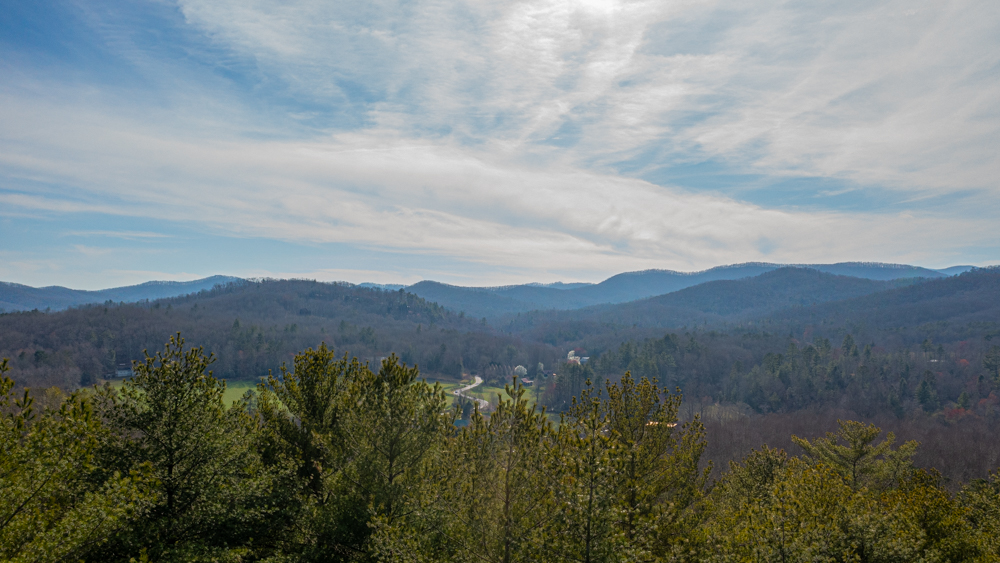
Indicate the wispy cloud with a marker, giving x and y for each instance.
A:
(127, 235)
(895, 93)
(517, 135)
(160, 275)
(452, 200)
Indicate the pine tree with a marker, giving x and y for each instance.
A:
(860, 462)
(55, 504)
(499, 491)
(656, 463)
(392, 428)
(584, 529)
(927, 394)
(771, 508)
(212, 491)
(361, 441)
(982, 498)
(991, 362)
(303, 412)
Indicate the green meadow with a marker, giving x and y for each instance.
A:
(236, 389)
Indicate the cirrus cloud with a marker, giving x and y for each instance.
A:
(524, 140)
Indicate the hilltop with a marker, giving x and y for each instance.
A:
(492, 302)
(17, 297)
(253, 327)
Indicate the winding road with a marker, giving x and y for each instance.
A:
(483, 403)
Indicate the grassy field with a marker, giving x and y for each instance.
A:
(484, 391)
(236, 389)
(490, 392)
(449, 387)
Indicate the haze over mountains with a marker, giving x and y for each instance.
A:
(489, 302)
(17, 297)
(722, 300)
(254, 326)
(787, 300)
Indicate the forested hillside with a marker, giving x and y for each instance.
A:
(762, 349)
(948, 309)
(474, 302)
(254, 327)
(478, 302)
(946, 396)
(333, 461)
(786, 300)
(717, 303)
(17, 297)
(492, 302)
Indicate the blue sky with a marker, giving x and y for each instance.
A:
(492, 142)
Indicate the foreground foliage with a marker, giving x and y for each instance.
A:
(56, 502)
(334, 461)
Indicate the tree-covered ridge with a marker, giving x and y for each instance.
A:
(865, 377)
(947, 309)
(744, 298)
(632, 286)
(755, 383)
(788, 300)
(480, 301)
(254, 327)
(947, 395)
(332, 461)
(17, 297)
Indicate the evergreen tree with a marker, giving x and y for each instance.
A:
(500, 489)
(656, 465)
(752, 480)
(54, 503)
(849, 348)
(982, 498)
(776, 509)
(991, 361)
(213, 495)
(927, 393)
(860, 462)
(360, 441)
(584, 529)
(303, 412)
(392, 428)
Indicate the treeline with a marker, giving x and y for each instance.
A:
(333, 461)
(948, 395)
(788, 301)
(952, 380)
(253, 328)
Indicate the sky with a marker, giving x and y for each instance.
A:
(492, 142)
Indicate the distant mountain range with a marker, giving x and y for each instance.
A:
(17, 297)
(489, 302)
(254, 326)
(494, 302)
(750, 297)
(721, 301)
(787, 300)
(966, 302)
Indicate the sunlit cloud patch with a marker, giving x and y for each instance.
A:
(509, 141)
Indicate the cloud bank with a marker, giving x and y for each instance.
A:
(515, 141)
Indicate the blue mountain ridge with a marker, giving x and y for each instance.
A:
(493, 302)
(482, 301)
(17, 297)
